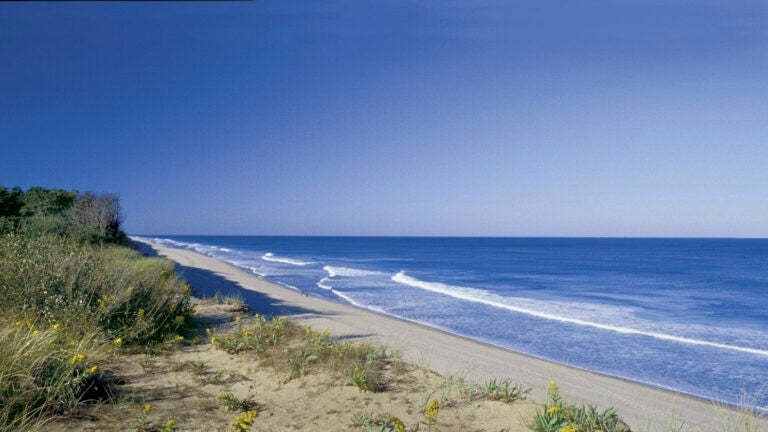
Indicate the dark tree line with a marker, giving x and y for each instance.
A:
(95, 217)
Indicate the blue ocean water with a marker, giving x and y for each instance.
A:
(684, 314)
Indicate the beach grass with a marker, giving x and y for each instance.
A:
(68, 306)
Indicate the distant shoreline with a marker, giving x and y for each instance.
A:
(640, 404)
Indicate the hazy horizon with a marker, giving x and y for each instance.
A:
(363, 118)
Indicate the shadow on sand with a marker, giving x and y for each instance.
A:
(206, 283)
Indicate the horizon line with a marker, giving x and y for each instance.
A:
(466, 236)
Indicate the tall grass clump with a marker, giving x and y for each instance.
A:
(44, 371)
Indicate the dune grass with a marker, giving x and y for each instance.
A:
(69, 305)
(294, 351)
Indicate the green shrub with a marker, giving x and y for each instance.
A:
(503, 391)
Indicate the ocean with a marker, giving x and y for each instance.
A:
(683, 314)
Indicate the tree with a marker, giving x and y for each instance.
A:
(38, 201)
(99, 213)
(10, 201)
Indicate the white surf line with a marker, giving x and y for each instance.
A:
(404, 279)
(269, 256)
(360, 305)
(321, 284)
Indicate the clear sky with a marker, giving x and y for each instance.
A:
(488, 118)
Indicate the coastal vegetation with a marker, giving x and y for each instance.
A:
(72, 297)
(96, 336)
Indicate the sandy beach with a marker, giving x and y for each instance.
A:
(643, 407)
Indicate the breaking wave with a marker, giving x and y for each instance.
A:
(269, 256)
(480, 296)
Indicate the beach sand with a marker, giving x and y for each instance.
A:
(645, 408)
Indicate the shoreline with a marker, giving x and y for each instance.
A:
(644, 406)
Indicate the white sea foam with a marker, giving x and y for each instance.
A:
(288, 286)
(269, 256)
(349, 272)
(323, 283)
(247, 267)
(256, 272)
(157, 240)
(360, 305)
(490, 299)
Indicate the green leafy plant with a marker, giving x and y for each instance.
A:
(217, 377)
(558, 416)
(503, 391)
(232, 403)
(298, 363)
(369, 423)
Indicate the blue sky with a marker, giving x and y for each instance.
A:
(489, 118)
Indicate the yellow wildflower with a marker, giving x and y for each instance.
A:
(570, 428)
(77, 358)
(213, 340)
(244, 421)
(18, 323)
(326, 333)
(147, 408)
(55, 326)
(92, 370)
(169, 424)
(118, 342)
(35, 332)
(179, 319)
(179, 338)
(237, 319)
(308, 331)
(141, 312)
(431, 412)
(397, 423)
(221, 396)
(554, 410)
